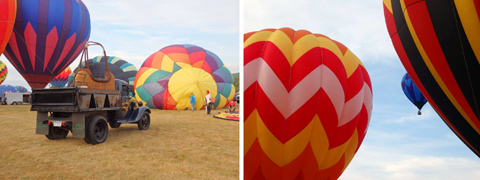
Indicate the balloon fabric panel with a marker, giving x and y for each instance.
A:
(48, 36)
(8, 10)
(168, 77)
(437, 46)
(3, 72)
(308, 103)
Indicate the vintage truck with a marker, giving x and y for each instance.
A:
(88, 108)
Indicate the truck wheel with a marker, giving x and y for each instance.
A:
(55, 133)
(14, 103)
(97, 130)
(114, 124)
(87, 129)
(144, 122)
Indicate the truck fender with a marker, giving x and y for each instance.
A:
(139, 112)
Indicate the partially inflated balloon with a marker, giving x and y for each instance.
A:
(308, 104)
(21, 89)
(61, 80)
(3, 72)
(8, 9)
(413, 93)
(48, 36)
(7, 88)
(168, 77)
(438, 42)
(120, 68)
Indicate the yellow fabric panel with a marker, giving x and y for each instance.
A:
(334, 155)
(283, 42)
(141, 80)
(167, 64)
(191, 80)
(435, 74)
(331, 46)
(471, 24)
(223, 102)
(388, 4)
(256, 37)
(295, 146)
(157, 60)
(352, 146)
(184, 65)
(250, 131)
(269, 143)
(319, 141)
(351, 62)
(232, 93)
(304, 44)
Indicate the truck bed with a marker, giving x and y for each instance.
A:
(74, 99)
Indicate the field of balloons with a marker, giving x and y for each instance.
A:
(41, 44)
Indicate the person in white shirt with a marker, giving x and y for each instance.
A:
(208, 101)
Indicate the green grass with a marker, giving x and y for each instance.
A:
(178, 145)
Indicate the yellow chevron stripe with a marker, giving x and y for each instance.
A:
(330, 45)
(351, 63)
(352, 146)
(434, 72)
(334, 155)
(471, 24)
(304, 44)
(256, 37)
(319, 141)
(388, 4)
(283, 42)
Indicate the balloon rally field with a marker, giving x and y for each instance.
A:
(178, 145)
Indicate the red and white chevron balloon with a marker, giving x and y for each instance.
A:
(308, 102)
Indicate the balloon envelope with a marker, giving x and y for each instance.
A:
(308, 103)
(21, 89)
(7, 88)
(48, 36)
(120, 68)
(412, 92)
(439, 45)
(8, 9)
(3, 72)
(61, 80)
(168, 77)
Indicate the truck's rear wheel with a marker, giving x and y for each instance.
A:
(55, 133)
(97, 130)
(144, 122)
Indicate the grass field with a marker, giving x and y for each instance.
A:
(178, 145)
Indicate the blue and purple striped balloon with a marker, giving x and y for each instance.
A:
(413, 93)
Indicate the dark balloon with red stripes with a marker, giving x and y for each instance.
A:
(438, 42)
(47, 36)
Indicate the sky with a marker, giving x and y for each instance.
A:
(399, 143)
(133, 30)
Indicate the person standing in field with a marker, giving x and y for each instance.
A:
(208, 101)
(192, 102)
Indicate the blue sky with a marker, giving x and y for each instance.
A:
(133, 30)
(399, 144)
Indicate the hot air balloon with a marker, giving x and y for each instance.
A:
(61, 80)
(413, 93)
(168, 77)
(8, 10)
(120, 68)
(7, 88)
(308, 101)
(21, 89)
(3, 72)
(48, 36)
(439, 45)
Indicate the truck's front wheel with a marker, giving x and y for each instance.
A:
(56, 133)
(97, 130)
(144, 122)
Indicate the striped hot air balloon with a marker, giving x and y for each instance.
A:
(21, 89)
(168, 77)
(438, 42)
(48, 36)
(61, 80)
(308, 101)
(8, 10)
(120, 68)
(3, 72)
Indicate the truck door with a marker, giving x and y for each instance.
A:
(125, 100)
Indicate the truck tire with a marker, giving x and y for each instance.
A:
(144, 122)
(55, 133)
(14, 103)
(114, 124)
(87, 135)
(97, 130)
